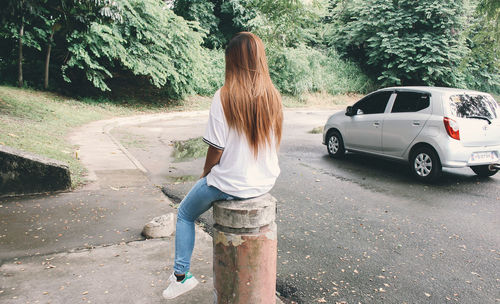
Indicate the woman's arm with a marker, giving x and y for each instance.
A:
(213, 158)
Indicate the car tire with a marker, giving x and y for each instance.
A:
(484, 170)
(425, 164)
(335, 144)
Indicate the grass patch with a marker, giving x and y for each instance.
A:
(183, 179)
(190, 149)
(192, 103)
(320, 100)
(317, 130)
(40, 122)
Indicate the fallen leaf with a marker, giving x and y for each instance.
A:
(427, 294)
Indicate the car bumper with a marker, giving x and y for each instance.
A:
(455, 155)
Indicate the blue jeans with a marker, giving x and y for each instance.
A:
(198, 200)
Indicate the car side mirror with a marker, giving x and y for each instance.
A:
(349, 111)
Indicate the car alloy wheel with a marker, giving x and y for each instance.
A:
(423, 165)
(335, 144)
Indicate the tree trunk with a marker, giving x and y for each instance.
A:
(20, 63)
(47, 62)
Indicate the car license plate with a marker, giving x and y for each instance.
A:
(482, 157)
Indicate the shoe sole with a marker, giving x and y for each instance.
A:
(170, 298)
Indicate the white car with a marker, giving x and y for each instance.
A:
(429, 127)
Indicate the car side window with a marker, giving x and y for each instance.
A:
(410, 102)
(374, 103)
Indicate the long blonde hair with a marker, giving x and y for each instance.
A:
(251, 103)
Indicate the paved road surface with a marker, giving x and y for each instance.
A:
(358, 230)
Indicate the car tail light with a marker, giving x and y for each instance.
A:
(452, 128)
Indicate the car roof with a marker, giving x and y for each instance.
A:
(442, 90)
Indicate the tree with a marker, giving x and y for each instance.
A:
(491, 8)
(70, 15)
(403, 41)
(203, 12)
(19, 22)
(282, 23)
(151, 42)
(481, 65)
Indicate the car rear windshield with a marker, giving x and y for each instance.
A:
(470, 106)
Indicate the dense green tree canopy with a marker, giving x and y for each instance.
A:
(404, 41)
(151, 41)
(175, 47)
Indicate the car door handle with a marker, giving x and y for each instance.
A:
(376, 124)
(416, 123)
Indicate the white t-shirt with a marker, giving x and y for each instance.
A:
(238, 172)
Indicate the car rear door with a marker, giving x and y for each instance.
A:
(478, 118)
(408, 116)
(364, 129)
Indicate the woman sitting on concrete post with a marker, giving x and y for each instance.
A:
(243, 134)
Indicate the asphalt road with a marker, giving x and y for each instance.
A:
(357, 230)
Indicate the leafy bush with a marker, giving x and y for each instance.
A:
(203, 12)
(304, 69)
(404, 42)
(481, 66)
(211, 76)
(151, 41)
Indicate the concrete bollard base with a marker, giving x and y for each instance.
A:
(245, 254)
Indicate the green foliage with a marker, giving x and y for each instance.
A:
(28, 14)
(22, 30)
(403, 42)
(148, 47)
(304, 69)
(280, 23)
(491, 8)
(284, 23)
(286, 27)
(202, 11)
(481, 66)
(152, 42)
(210, 76)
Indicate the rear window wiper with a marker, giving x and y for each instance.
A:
(480, 117)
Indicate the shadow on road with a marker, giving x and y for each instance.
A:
(366, 167)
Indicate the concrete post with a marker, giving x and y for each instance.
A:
(245, 251)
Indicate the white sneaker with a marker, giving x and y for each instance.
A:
(175, 288)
